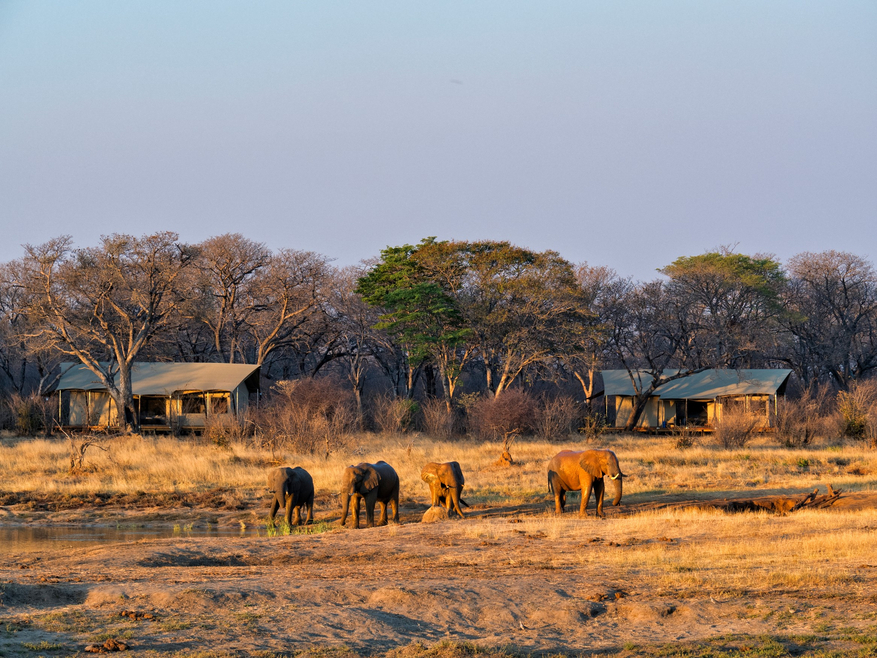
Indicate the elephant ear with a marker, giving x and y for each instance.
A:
(591, 465)
(371, 479)
(458, 472)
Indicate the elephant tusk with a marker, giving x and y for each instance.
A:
(614, 477)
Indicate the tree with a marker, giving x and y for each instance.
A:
(102, 305)
(525, 309)
(418, 311)
(832, 299)
(598, 287)
(731, 305)
(228, 264)
(15, 355)
(714, 312)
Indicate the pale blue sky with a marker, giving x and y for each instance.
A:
(619, 133)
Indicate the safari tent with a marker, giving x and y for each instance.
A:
(697, 400)
(167, 396)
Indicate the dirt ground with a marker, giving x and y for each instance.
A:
(507, 577)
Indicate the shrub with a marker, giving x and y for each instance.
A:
(394, 415)
(512, 412)
(438, 421)
(556, 417)
(29, 415)
(736, 426)
(800, 421)
(225, 429)
(858, 411)
(686, 437)
(593, 425)
(307, 415)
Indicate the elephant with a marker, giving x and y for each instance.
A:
(373, 483)
(292, 487)
(571, 470)
(445, 482)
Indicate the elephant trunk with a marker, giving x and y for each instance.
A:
(617, 482)
(345, 506)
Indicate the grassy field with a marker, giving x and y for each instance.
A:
(652, 465)
(508, 581)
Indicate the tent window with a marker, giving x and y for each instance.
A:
(697, 413)
(152, 409)
(219, 403)
(193, 403)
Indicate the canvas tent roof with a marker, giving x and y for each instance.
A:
(167, 378)
(705, 385)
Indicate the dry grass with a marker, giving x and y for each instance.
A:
(685, 553)
(652, 465)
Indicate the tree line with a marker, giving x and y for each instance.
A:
(438, 320)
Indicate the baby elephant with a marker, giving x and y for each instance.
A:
(445, 484)
(292, 487)
(373, 483)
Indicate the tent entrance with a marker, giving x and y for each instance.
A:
(692, 413)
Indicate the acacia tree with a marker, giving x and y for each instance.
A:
(832, 298)
(102, 305)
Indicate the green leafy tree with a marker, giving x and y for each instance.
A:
(419, 312)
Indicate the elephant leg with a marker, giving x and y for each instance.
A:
(559, 493)
(436, 492)
(384, 505)
(395, 501)
(275, 505)
(586, 497)
(559, 501)
(370, 511)
(356, 511)
(599, 490)
(297, 519)
(288, 515)
(310, 518)
(456, 498)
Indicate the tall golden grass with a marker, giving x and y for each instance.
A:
(700, 552)
(652, 465)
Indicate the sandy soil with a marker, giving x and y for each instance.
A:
(495, 579)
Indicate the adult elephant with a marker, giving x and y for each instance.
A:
(373, 483)
(293, 488)
(445, 482)
(572, 470)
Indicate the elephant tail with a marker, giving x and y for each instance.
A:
(464, 503)
(550, 483)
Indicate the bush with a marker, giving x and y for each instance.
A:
(736, 426)
(225, 429)
(858, 411)
(593, 425)
(29, 415)
(802, 420)
(513, 412)
(393, 415)
(307, 415)
(438, 422)
(556, 417)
